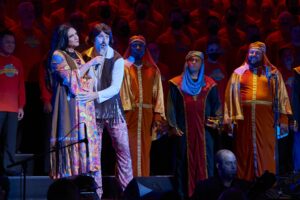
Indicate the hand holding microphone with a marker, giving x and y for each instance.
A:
(98, 61)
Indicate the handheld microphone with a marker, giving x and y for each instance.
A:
(97, 66)
(101, 62)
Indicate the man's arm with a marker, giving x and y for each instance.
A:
(215, 102)
(158, 96)
(117, 78)
(22, 97)
(171, 112)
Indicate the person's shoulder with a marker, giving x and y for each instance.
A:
(113, 54)
(117, 55)
(58, 53)
(58, 56)
(209, 80)
(12, 59)
(127, 63)
(176, 80)
(297, 70)
(240, 70)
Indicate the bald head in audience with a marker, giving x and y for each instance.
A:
(226, 165)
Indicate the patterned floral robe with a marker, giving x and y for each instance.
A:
(72, 120)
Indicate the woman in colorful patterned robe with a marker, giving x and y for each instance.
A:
(72, 120)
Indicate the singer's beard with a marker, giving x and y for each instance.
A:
(103, 51)
(255, 65)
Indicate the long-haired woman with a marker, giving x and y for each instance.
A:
(72, 120)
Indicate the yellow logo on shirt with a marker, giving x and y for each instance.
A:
(9, 70)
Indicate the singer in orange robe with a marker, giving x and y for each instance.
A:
(143, 103)
(249, 100)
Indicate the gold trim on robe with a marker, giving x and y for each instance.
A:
(142, 99)
(255, 139)
(297, 70)
(232, 108)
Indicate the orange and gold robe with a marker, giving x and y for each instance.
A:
(249, 102)
(143, 103)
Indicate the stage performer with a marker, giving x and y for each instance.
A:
(249, 101)
(109, 111)
(193, 102)
(12, 100)
(143, 102)
(72, 120)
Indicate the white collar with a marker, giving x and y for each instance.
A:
(109, 53)
(138, 66)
